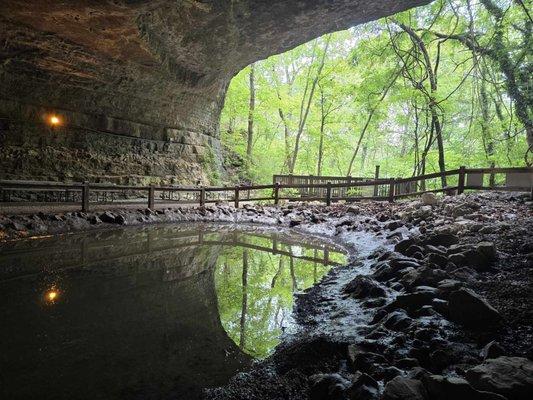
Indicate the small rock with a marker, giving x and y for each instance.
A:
(397, 321)
(362, 287)
(401, 388)
(429, 199)
(441, 239)
(94, 220)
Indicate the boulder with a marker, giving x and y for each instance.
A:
(403, 245)
(401, 388)
(429, 199)
(108, 217)
(364, 387)
(469, 309)
(362, 287)
(449, 388)
(511, 377)
(362, 360)
(94, 220)
(397, 321)
(328, 387)
(441, 239)
(412, 301)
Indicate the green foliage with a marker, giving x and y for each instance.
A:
(271, 281)
(475, 103)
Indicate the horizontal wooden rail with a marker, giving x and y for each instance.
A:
(379, 189)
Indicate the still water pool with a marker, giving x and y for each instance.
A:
(147, 313)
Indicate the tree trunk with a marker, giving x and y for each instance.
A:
(304, 113)
(251, 110)
(244, 306)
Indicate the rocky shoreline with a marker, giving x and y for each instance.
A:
(435, 303)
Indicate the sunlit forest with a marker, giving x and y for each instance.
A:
(429, 89)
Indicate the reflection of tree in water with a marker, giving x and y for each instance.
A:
(255, 289)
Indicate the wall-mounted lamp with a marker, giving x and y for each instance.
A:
(53, 120)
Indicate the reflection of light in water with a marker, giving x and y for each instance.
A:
(51, 295)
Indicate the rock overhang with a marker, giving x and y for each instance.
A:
(148, 69)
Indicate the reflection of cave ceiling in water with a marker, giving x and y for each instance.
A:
(135, 311)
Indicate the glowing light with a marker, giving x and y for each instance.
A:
(52, 295)
(54, 120)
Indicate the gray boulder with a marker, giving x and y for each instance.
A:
(511, 377)
(401, 388)
(362, 287)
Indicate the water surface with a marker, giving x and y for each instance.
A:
(147, 313)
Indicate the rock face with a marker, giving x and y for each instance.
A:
(139, 85)
(511, 377)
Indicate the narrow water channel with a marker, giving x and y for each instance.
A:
(147, 313)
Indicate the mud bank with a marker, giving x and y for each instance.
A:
(435, 302)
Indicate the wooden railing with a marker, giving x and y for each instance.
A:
(86, 194)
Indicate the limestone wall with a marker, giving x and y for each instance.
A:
(140, 84)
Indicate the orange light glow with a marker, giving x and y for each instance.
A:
(54, 120)
(52, 295)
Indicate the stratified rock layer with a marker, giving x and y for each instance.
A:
(139, 85)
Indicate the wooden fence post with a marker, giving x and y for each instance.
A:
(392, 183)
(492, 180)
(236, 197)
(202, 197)
(276, 193)
(151, 197)
(461, 180)
(376, 177)
(328, 194)
(85, 197)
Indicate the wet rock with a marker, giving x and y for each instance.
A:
(441, 239)
(487, 250)
(458, 259)
(511, 377)
(412, 250)
(401, 388)
(362, 360)
(397, 321)
(449, 388)
(462, 209)
(94, 220)
(429, 199)
(403, 245)
(107, 217)
(362, 287)
(441, 306)
(412, 301)
(120, 219)
(438, 259)
(470, 310)
(328, 387)
(492, 350)
(407, 363)
(364, 387)
(393, 225)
